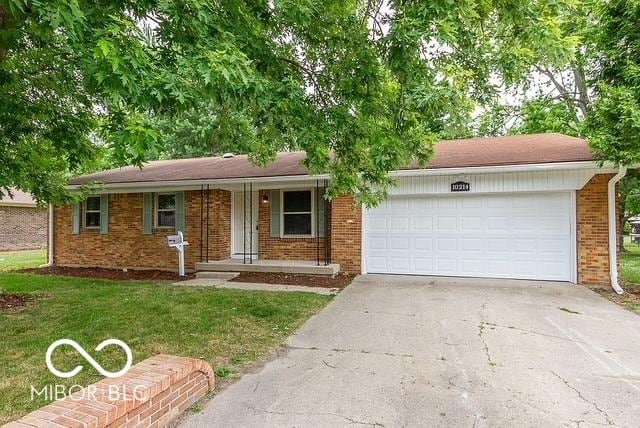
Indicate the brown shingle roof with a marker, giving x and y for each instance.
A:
(493, 151)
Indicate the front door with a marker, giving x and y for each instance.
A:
(245, 227)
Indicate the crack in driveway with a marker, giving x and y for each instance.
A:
(347, 418)
(485, 347)
(582, 397)
(455, 385)
(354, 351)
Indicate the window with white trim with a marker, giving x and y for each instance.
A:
(92, 212)
(297, 208)
(166, 210)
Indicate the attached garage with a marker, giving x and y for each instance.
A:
(509, 235)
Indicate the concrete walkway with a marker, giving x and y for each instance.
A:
(415, 351)
(220, 283)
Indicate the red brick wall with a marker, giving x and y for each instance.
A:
(22, 228)
(151, 394)
(346, 234)
(219, 224)
(283, 248)
(593, 231)
(126, 246)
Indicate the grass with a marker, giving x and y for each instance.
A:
(229, 328)
(12, 260)
(630, 265)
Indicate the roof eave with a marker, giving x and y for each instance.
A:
(18, 204)
(553, 166)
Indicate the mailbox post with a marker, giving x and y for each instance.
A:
(178, 242)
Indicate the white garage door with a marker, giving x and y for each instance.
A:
(525, 236)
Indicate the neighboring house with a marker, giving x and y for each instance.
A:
(23, 226)
(529, 207)
(635, 229)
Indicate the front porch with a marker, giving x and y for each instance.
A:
(300, 267)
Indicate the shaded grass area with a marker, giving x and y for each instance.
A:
(630, 265)
(12, 260)
(229, 328)
(630, 278)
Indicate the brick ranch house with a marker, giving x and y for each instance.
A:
(23, 225)
(529, 207)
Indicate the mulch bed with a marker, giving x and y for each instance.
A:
(630, 295)
(338, 281)
(116, 274)
(10, 301)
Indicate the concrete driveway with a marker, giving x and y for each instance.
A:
(422, 351)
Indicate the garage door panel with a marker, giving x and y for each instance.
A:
(471, 244)
(422, 204)
(524, 224)
(377, 243)
(447, 244)
(471, 203)
(447, 224)
(399, 243)
(423, 265)
(552, 269)
(399, 224)
(525, 245)
(377, 224)
(498, 244)
(423, 243)
(422, 224)
(472, 267)
(471, 224)
(447, 265)
(446, 203)
(497, 224)
(552, 224)
(504, 236)
(400, 264)
(398, 203)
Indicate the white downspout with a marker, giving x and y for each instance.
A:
(613, 229)
(50, 243)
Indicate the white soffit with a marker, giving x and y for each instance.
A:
(528, 181)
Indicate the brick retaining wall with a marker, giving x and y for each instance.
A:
(151, 394)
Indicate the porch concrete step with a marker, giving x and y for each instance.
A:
(284, 266)
(224, 276)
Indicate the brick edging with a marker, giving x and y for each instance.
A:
(152, 393)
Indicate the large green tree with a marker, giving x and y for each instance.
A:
(595, 94)
(363, 86)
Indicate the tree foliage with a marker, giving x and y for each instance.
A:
(362, 86)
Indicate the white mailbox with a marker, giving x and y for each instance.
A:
(178, 242)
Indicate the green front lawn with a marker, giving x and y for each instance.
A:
(230, 329)
(12, 260)
(631, 265)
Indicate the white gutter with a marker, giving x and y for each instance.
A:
(10, 203)
(613, 229)
(401, 173)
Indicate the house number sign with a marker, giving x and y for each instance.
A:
(460, 186)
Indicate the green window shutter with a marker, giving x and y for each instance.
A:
(147, 213)
(75, 218)
(321, 206)
(275, 213)
(104, 214)
(180, 211)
